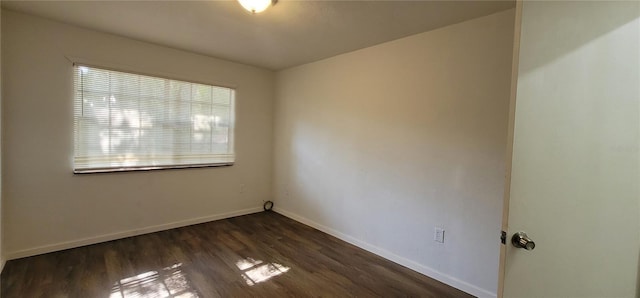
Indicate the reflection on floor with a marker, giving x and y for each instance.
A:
(258, 255)
(169, 282)
(254, 271)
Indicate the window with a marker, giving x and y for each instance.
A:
(125, 121)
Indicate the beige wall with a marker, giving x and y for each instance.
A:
(49, 208)
(380, 145)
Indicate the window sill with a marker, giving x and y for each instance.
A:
(149, 168)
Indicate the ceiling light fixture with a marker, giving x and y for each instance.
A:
(257, 6)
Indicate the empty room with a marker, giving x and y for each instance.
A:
(263, 148)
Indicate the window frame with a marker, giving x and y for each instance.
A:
(231, 134)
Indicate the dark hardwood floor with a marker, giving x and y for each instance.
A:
(258, 255)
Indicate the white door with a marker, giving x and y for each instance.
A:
(575, 172)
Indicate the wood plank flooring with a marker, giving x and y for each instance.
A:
(258, 255)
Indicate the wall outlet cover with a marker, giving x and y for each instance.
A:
(438, 234)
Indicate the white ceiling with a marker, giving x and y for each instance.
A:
(289, 34)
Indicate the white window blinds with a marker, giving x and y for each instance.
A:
(127, 121)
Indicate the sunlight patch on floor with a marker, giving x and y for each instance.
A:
(169, 282)
(256, 271)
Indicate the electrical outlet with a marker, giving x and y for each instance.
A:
(438, 234)
(242, 188)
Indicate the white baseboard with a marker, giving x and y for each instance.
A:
(119, 235)
(430, 272)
